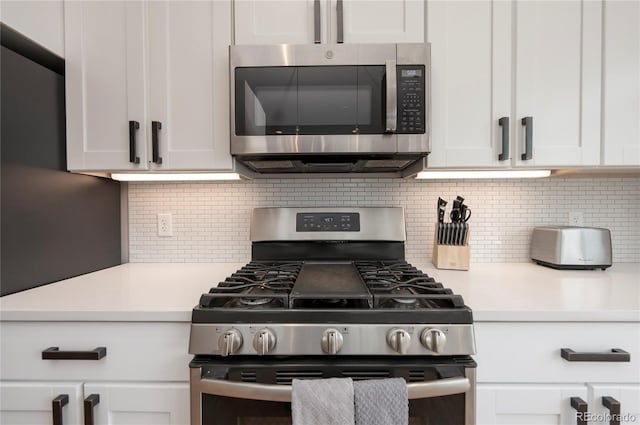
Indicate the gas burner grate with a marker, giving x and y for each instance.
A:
(256, 285)
(399, 285)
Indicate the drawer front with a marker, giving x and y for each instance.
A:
(135, 351)
(530, 352)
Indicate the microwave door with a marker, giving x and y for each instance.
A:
(266, 101)
(327, 100)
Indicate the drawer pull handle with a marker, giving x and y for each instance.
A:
(57, 404)
(581, 407)
(89, 403)
(615, 355)
(614, 409)
(54, 353)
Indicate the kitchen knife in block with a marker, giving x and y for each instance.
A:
(451, 257)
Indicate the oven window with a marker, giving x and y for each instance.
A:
(309, 100)
(216, 410)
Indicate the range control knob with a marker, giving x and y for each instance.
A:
(399, 340)
(230, 342)
(264, 341)
(331, 341)
(433, 339)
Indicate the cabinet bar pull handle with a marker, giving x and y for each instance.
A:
(89, 403)
(528, 138)
(155, 147)
(54, 353)
(340, 19)
(316, 21)
(615, 355)
(133, 126)
(581, 407)
(504, 123)
(57, 404)
(614, 409)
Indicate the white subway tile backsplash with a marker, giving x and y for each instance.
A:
(211, 220)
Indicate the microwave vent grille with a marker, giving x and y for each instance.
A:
(266, 165)
(388, 163)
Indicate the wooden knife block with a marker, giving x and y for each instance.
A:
(450, 257)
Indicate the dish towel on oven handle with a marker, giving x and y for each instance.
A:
(381, 402)
(322, 401)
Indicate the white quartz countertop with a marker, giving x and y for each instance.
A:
(167, 292)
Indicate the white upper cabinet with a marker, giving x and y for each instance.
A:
(189, 84)
(558, 79)
(621, 83)
(276, 21)
(378, 21)
(328, 21)
(105, 85)
(498, 62)
(470, 82)
(130, 64)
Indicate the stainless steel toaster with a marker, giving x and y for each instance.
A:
(573, 248)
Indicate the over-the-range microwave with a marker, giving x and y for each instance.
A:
(331, 108)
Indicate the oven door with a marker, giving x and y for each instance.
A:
(246, 392)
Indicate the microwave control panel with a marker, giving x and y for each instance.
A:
(411, 99)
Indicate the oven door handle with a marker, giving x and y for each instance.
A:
(282, 393)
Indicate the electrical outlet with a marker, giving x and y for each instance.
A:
(165, 224)
(576, 218)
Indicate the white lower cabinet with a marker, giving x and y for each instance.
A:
(516, 404)
(523, 377)
(139, 404)
(140, 377)
(606, 401)
(30, 403)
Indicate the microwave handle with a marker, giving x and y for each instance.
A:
(316, 22)
(282, 393)
(392, 99)
(340, 20)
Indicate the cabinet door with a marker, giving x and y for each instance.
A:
(104, 84)
(378, 21)
(23, 403)
(627, 395)
(470, 81)
(621, 83)
(514, 404)
(558, 80)
(189, 83)
(277, 21)
(140, 404)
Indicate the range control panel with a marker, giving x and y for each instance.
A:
(411, 99)
(327, 222)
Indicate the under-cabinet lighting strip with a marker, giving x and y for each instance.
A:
(165, 177)
(484, 174)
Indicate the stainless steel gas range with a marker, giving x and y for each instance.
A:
(328, 294)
